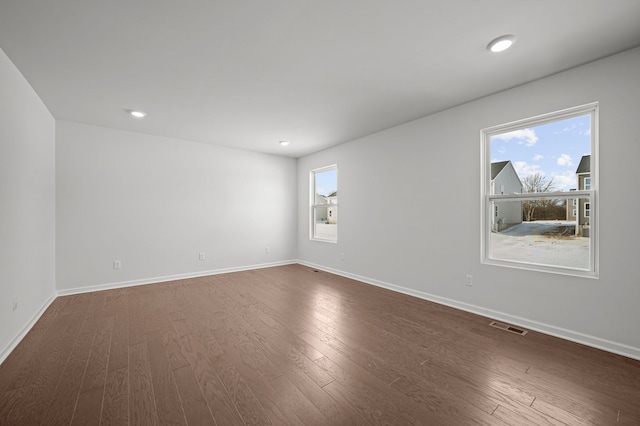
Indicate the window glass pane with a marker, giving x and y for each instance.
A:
(325, 204)
(544, 158)
(551, 239)
(538, 192)
(326, 186)
(324, 228)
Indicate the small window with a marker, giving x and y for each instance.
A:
(324, 204)
(531, 169)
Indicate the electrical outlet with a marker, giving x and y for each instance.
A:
(469, 280)
(201, 255)
(342, 256)
(117, 264)
(267, 249)
(15, 303)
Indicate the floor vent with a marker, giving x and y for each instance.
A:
(508, 327)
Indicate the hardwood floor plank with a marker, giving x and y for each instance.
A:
(296, 402)
(88, 407)
(119, 349)
(482, 388)
(627, 418)
(174, 350)
(195, 407)
(364, 386)
(54, 318)
(32, 362)
(96, 371)
(47, 378)
(434, 397)
(593, 405)
(549, 410)
(89, 403)
(282, 347)
(13, 405)
(525, 415)
(375, 410)
(249, 407)
(115, 407)
(168, 405)
(289, 345)
(61, 408)
(261, 388)
(243, 349)
(220, 404)
(142, 409)
(335, 412)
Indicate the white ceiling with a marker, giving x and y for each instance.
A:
(248, 73)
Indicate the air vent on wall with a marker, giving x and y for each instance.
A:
(508, 327)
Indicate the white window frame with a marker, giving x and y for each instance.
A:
(587, 186)
(313, 206)
(487, 199)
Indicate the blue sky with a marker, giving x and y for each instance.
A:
(552, 149)
(326, 182)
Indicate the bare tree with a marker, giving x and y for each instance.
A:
(536, 183)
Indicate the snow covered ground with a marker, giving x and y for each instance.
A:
(540, 242)
(326, 231)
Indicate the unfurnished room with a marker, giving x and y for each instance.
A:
(294, 212)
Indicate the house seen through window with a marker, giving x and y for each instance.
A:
(324, 204)
(539, 185)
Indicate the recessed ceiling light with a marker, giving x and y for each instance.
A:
(284, 143)
(137, 114)
(501, 43)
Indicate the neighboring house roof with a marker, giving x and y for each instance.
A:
(497, 168)
(333, 194)
(585, 165)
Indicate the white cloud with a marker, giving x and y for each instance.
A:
(564, 181)
(538, 157)
(524, 169)
(565, 160)
(526, 137)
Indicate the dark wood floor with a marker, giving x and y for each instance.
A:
(290, 345)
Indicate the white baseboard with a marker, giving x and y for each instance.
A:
(18, 338)
(573, 336)
(145, 281)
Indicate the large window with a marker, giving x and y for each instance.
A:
(324, 204)
(534, 172)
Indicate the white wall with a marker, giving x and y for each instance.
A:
(154, 203)
(27, 205)
(426, 174)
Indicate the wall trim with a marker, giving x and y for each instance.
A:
(154, 280)
(4, 353)
(562, 333)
